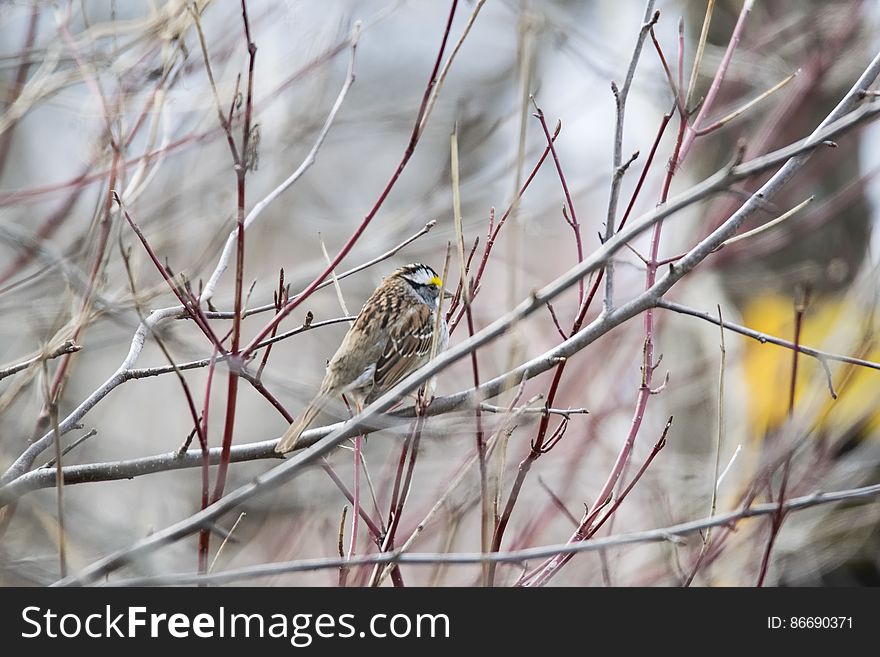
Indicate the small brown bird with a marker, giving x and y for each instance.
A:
(391, 338)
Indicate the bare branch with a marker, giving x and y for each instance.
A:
(671, 533)
(744, 108)
(701, 47)
(620, 96)
(770, 224)
(68, 347)
(764, 338)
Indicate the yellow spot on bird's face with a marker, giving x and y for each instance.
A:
(436, 282)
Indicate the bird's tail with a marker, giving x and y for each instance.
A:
(294, 431)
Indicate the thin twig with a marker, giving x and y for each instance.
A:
(716, 478)
(333, 278)
(744, 108)
(558, 503)
(620, 97)
(467, 288)
(729, 464)
(226, 540)
(76, 443)
(800, 305)
(356, 504)
(571, 217)
(52, 406)
(441, 78)
(770, 224)
(676, 89)
(280, 300)
(698, 58)
(556, 321)
(68, 347)
(564, 412)
(714, 87)
(766, 338)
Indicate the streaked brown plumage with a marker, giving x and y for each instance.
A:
(391, 338)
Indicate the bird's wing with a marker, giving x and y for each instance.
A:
(407, 347)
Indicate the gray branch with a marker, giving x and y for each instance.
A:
(620, 96)
(766, 338)
(68, 347)
(167, 461)
(672, 533)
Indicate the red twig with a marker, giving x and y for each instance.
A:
(187, 300)
(676, 89)
(410, 148)
(205, 534)
(240, 161)
(280, 300)
(779, 517)
(691, 133)
(659, 445)
(456, 297)
(556, 321)
(573, 221)
(799, 308)
(493, 232)
(537, 448)
(402, 488)
(557, 502)
(398, 479)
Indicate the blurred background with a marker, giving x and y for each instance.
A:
(74, 73)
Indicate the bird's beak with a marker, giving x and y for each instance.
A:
(447, 294)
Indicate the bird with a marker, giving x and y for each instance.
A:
(392, 336)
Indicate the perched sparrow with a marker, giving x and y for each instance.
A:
(391, 338)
